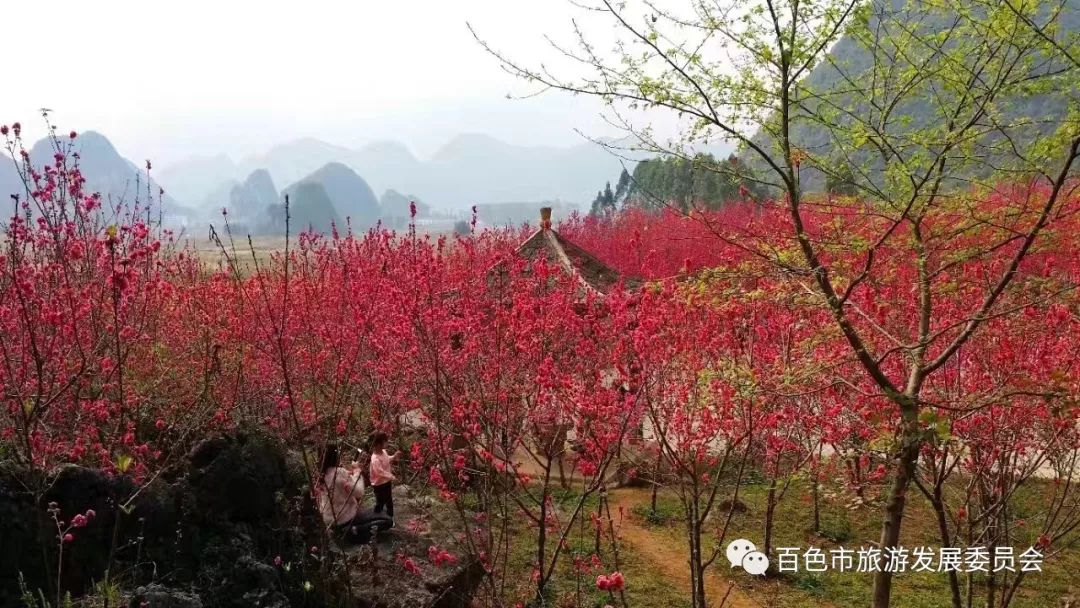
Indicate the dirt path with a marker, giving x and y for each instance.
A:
(668, 556)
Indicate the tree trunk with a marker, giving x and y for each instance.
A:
(855, 478)
(946, 541)
(816, 473)
(699, 571)
(541, 554)
(817, 510)
(656, 481)
(541, 539)
(697, 567)
(991, 578)
(903, 473)
(770, 511)
(599, 518)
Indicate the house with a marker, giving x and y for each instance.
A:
(593, 274)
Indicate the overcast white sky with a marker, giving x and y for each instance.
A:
(172, 79)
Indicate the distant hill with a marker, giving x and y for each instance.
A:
(387, 165)
(395, 209)
(249, 200)
(195, 180)
(105, 170)
(290, 162)
(217, 199)
(470, 169)
(10, 183)
(850, 62)
(348, 193)
(478, 169)
(309, 209)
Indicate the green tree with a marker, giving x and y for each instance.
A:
(841, 181)
(684, 183)
(622, 187)
(604, 201)
(923, 107)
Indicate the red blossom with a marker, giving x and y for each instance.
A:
(495, 355)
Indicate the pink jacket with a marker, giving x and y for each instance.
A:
(340, 496)
(381, 470)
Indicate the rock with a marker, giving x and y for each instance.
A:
(157, 596)
(384, 582)
(214, 528)
(244, 503)
(737, 506)
(75, 490)
(254, 583)
(215, 525)
(634, 467)
(28, 533)
(237, 478)
(21, 539)
(389, 585)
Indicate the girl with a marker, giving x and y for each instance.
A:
(382, 475)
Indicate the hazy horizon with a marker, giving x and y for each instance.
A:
(239, 78)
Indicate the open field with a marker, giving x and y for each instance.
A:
(259, 249)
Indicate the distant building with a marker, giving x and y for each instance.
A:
(516, 214)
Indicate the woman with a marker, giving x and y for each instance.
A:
(339, 500)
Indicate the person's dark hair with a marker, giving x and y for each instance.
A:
(378, 439)
(330, 457)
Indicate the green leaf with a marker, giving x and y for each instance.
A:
(124, 462)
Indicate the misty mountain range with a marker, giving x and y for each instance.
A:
(118, 179)
(470, 169)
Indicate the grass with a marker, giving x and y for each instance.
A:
(852, 529)
(667, 511)
(648, 585)
(646, 588)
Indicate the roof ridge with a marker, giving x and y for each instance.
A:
(554, 239)
(588, 269)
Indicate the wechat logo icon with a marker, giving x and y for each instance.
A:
(744, 554)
